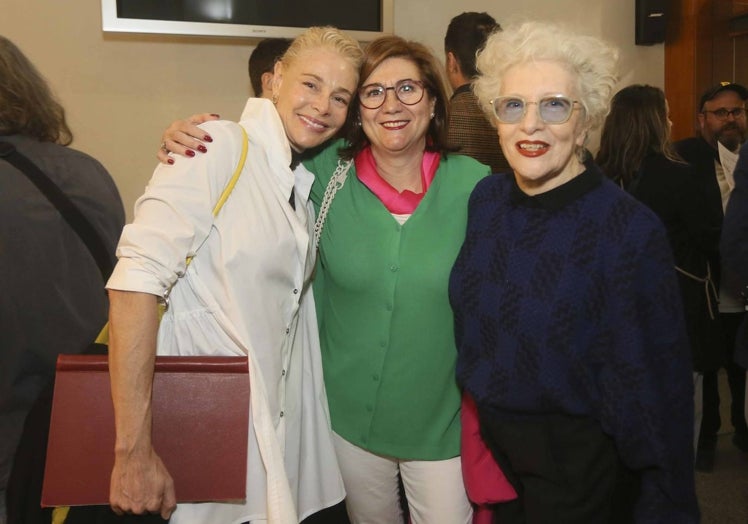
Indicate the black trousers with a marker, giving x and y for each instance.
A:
(565, 470)
(711, 421)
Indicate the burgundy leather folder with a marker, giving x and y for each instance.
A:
(200, 421)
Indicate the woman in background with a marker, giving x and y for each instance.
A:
(635, 152)
(569, 331)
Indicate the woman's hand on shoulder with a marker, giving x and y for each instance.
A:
(184, 137)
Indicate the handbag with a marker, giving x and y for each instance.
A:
(200, 411)
(212, 390)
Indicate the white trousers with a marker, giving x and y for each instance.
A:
(433, 488)
(698, 408)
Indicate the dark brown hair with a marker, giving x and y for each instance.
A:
(432, 76)
(635, 127)
(466, 35)
(263, 58)
(27, 105)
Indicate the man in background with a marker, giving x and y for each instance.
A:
(261, 63)
(722, 120)
(469, 129)
(734, 249)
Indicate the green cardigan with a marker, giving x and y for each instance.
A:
(386, 327)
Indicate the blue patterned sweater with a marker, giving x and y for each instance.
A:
(567, 302)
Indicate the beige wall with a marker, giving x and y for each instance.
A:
(121, 90)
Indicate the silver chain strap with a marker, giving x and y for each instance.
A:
(336, 182)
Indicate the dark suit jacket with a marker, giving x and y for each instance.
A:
(697, 152)
(734, 244)
(675, 192)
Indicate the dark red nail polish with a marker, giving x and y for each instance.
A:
(189, 152)
(215, 115)
(169, 161)
(208, 138)
(202, 148)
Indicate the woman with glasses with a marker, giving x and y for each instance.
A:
(569, 330)
(635, 152)
(391, 234)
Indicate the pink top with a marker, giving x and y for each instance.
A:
(401, 203)
(485, 483)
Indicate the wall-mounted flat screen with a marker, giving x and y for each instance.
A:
(362, 19)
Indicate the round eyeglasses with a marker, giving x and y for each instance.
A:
(554, 109)
(409, 92)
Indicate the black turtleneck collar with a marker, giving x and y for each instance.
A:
(564, 194)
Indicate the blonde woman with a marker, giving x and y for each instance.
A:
(246, 292)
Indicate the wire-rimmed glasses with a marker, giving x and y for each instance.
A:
(409, 92)
(723, 113)
(554, 109)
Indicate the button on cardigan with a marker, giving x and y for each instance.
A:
(385, 322)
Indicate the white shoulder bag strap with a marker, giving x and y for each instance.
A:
(336, 182)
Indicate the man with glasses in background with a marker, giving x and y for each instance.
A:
(722, 120)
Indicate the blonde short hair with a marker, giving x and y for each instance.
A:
(325, 37)
(590, 60)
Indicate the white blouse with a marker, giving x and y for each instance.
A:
(247, 291)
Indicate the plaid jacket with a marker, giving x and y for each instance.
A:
(470, 130)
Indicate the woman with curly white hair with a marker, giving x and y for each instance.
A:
(569, 329)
